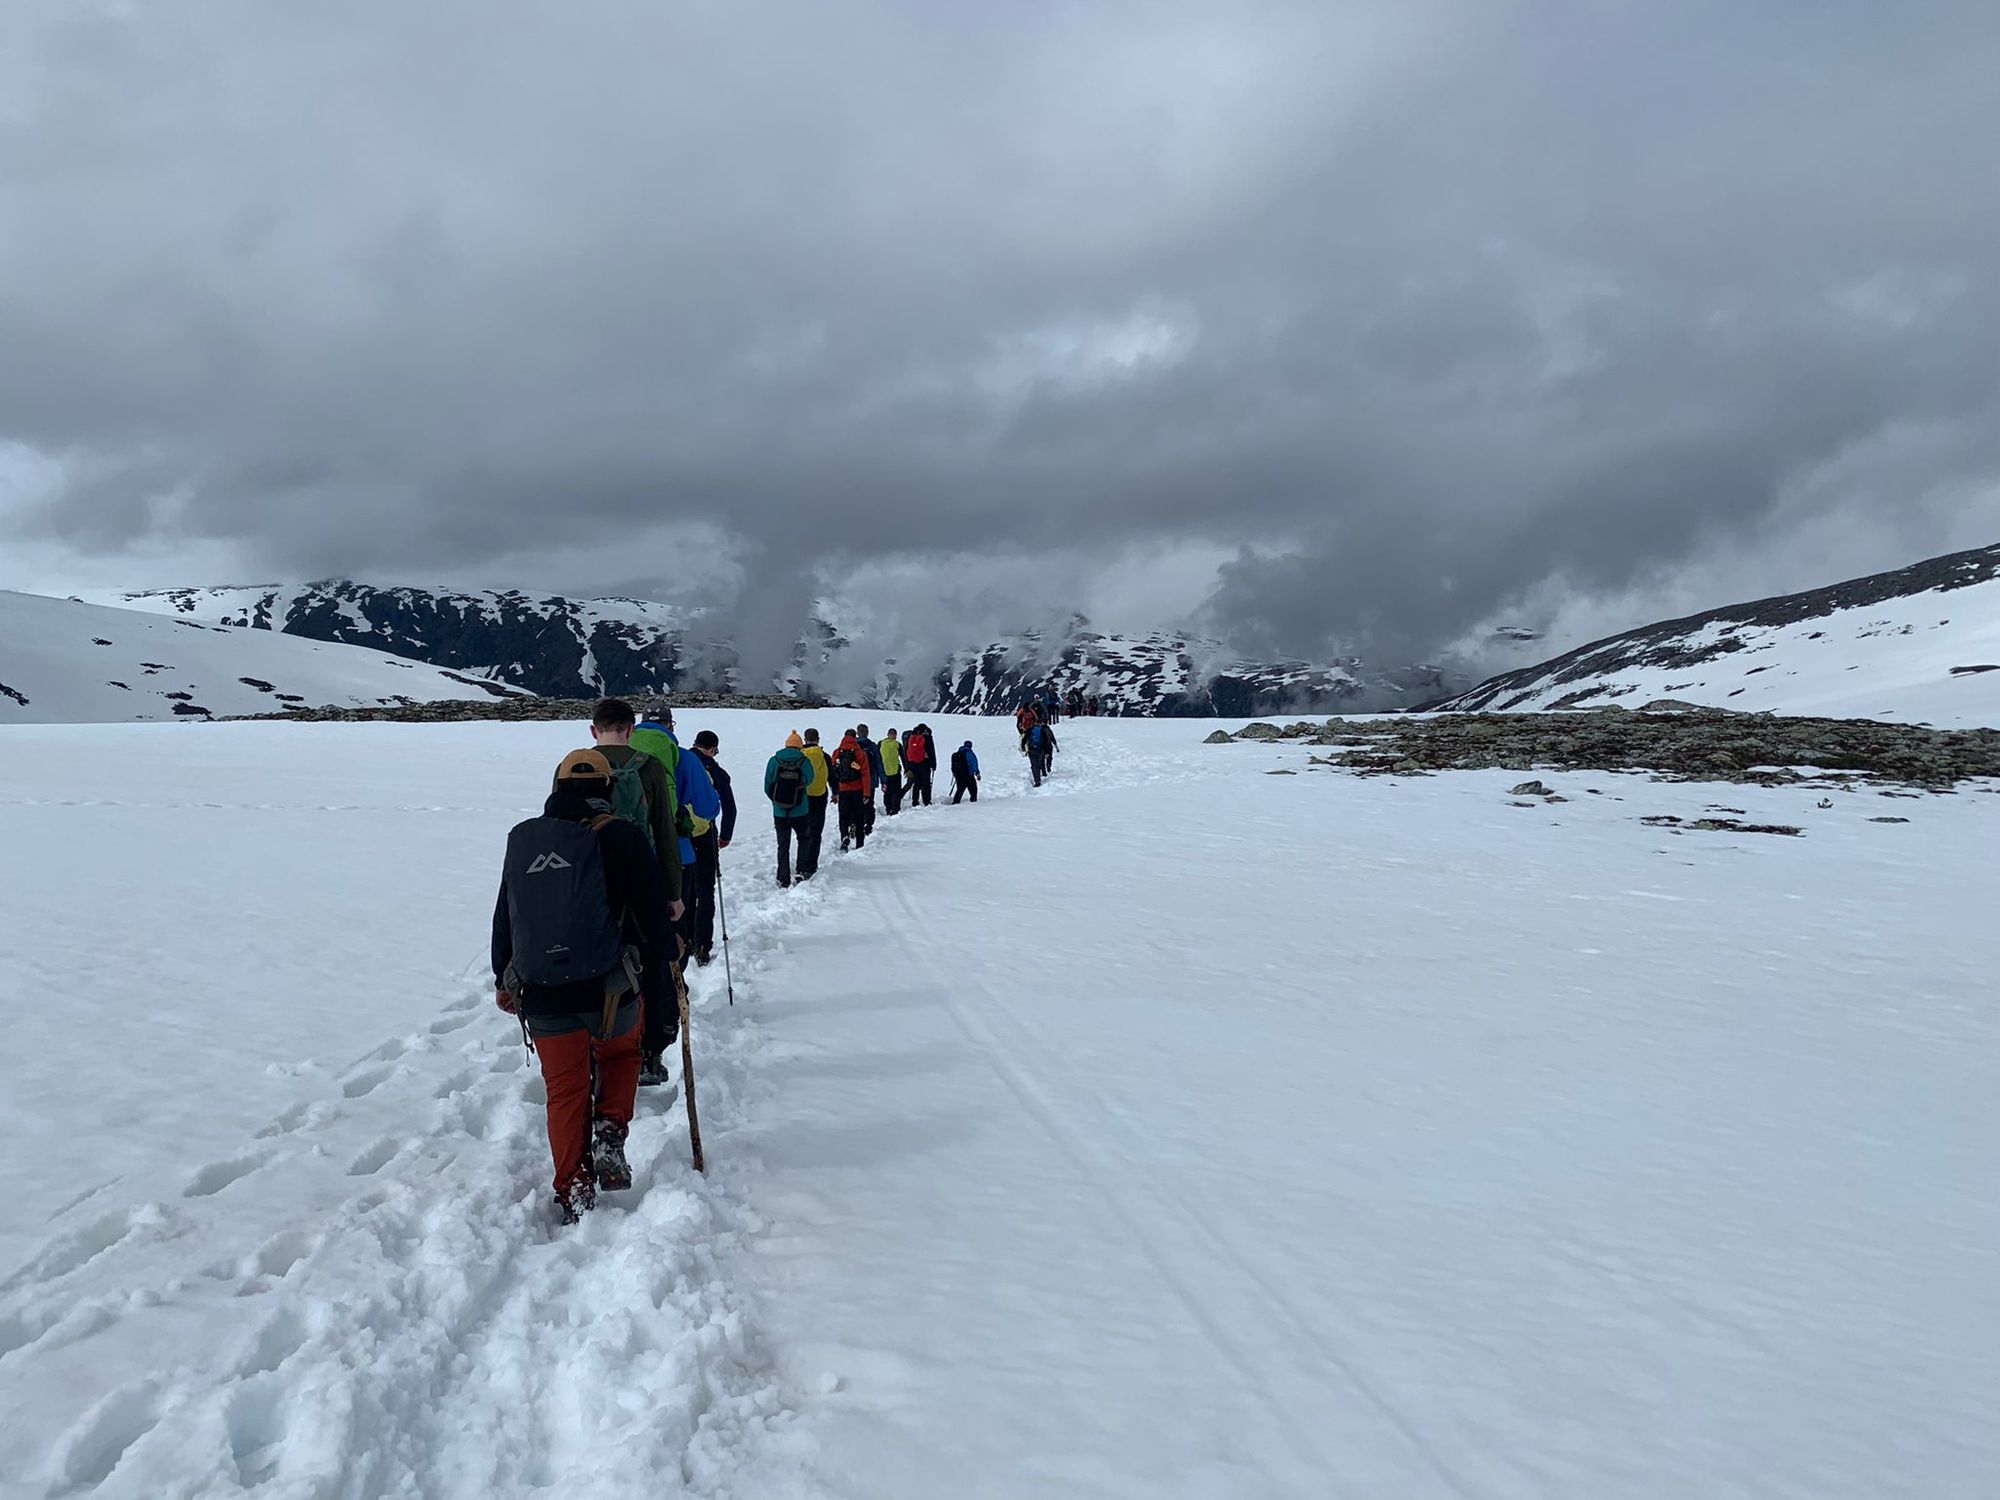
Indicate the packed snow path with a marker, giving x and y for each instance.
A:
(1175, 1130)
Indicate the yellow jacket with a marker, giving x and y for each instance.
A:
(816, 757)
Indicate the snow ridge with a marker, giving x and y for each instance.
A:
(63, 661)
(1918, 643)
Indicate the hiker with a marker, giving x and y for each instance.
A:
(853, 779)
(786, 780)
(643, 793)
(964, 773)
(696, 804)
(874, 754)
(708, 846)
(1041, 747)
(1025, 718)
(583, 915)
(1051, 704)
(1093, 705)
(920, 760)
(891, 753)
(1074, 706)
(816, 795)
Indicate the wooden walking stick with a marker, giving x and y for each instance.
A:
(687, 1070)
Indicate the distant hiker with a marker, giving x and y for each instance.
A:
(852, 779)
(708, 846)
(890, 752)
(583, 915)
(696, 805)
(786, 780)
(816, 795)
(964, 773)
(920, 760)
(1051, 705)
(1025, 717)
(1041, 748)
(1093, 705)
(874, 754)
(1073, 703)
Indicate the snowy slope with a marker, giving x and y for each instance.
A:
(546, 643)
(66, 662)
(1918, 644)
(1326, 1137)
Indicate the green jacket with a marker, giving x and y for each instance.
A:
(787, 757)
(658, 779)
(891, 751)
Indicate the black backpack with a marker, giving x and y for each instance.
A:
(557, 904)
(788, 787)
(849, 765)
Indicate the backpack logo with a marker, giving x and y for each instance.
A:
(549, 861)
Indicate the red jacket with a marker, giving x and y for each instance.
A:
(863, 783)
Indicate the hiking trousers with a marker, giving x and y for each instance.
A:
(854, 810)
(920, 784)
(892, 795)
(963, 784)
(698, 891)
(789, 829)
(572, 1048)
(662, 1021)
(810, 836)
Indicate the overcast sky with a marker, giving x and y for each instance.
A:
(1328, 326)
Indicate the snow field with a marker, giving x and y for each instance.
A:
(1179, 1129)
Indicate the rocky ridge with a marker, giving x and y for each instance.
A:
(1673, 741)
(515, 710)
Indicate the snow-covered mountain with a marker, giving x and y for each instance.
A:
(546, 643)
(63, 661)
(1919, 643)
(1167, 675)
(578, 648)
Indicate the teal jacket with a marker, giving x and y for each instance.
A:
(789, 757)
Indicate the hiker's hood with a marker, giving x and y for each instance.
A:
(568, 803)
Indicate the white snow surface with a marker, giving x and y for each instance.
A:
(1931, 658)
(62, 661)
(1179, 1129)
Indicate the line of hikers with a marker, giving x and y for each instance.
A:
(606, 895)
(1052, 703)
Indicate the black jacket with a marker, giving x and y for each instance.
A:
(727, 827)
(636, 889)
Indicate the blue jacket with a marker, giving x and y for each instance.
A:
(874, 756)
(692, 788)
(971, 760)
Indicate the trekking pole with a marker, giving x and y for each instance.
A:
(687, 1072)
(722, 915)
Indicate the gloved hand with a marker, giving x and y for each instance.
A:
(506, 1001)
(721, 844)
(675, 909)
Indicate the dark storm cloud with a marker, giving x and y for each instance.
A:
(1421, 303)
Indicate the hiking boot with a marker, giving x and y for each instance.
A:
(607, 1156)
(704, 956)
(578, 1199)
(653, 1070)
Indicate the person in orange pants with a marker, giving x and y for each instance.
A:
(574, 1057)
(583, 914)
